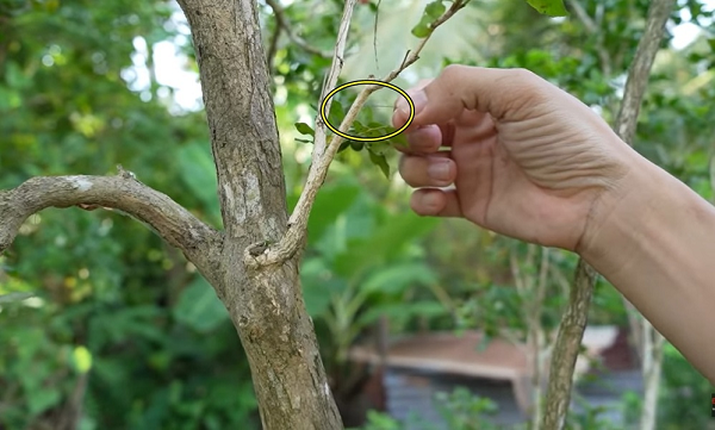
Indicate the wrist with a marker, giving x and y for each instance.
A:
(626, 214)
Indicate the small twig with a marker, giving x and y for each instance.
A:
(282, 21)
(374, 36)
(273, 45)
(323, 152)
(516, 273)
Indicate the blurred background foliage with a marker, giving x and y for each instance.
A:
(122, 333)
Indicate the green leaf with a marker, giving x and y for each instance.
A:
(358, 127)
(356, 145)
(435, 9)
(381, 161)
(549, 7)
(319, 285)
(304, 128)
(199, 174)
(396, 279)
(343, 146)
(39, 401)
(337, 113)
(329, 203)
(379, 148)
(199, 308)
(81, 359)
(711, 43)
(399, 140)
(384, 243)
(402, 311)
(15, 297)
(421, 30)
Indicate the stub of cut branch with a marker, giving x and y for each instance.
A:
(324, 154)
(124, 192)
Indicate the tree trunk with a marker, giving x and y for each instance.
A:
(265, 302)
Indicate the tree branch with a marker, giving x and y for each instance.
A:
(170, 220)
(322, 157)
(592, 28)
(282, 22)
(273, 46)
(298, 221)
(574, 320)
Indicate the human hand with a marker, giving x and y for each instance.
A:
(527, 159)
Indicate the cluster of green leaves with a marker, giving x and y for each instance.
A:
(433, 11)
(459, 409)
(378, 151)
(462, 410)
(682, 392)
(549, 7)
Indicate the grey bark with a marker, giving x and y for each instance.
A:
(265, 301)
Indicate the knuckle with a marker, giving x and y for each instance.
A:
(527, 78)
(453, 71)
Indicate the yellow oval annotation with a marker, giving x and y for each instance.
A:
(400, 91)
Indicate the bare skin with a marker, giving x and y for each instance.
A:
(530, 161)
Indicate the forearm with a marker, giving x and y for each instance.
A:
(656, 244)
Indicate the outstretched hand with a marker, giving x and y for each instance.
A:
(526, 159)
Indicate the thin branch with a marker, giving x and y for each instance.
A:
(283, 22)
(573, 323)
(273, 46)
(324, 154)
(516, 273)
(637, 82)
(585, 18)
(124, 192)
(543, 277)
(592, 28)
(298, 221)
(566, 348)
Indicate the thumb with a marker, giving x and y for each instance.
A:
(499, 92)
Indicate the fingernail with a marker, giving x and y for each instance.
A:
(419, 99)
(438, 169)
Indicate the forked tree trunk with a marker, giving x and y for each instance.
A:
(265, 303)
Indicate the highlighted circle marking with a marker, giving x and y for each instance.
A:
(400, 91)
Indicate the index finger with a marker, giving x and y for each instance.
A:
(398, 117)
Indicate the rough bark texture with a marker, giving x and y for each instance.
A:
(568, 342)
(573, 323)
(124, 192)
(265, 302)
